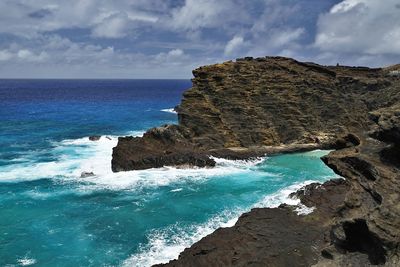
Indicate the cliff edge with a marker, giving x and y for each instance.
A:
(266, 105)
(256, 106)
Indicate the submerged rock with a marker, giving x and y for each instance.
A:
(94, 137)
(87, 174)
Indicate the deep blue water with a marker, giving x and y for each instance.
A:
(50, 216)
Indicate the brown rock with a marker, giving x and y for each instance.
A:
(248, 107)
(269, 105)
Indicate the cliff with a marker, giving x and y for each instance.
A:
(255, 106)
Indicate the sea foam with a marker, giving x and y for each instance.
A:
(169, 110)
(166, 244)
(75, 156)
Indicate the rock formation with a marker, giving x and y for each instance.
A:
(94, 138)
(255, 106)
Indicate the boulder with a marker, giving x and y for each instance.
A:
(94, 138)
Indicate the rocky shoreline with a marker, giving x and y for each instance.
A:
(254, 107)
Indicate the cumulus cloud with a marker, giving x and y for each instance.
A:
(104, 18)
(27, 55)
(112, 27)
(172, 57)
(5, 55)
(360, 26)
(234, 45)
(23, 55)
(153, 38)
(196, 14)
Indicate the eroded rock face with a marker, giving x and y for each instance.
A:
(355, 222)
(369, 222)
(256, 106)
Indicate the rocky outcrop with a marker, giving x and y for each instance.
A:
(267, 105)
(256, 106)
(272, 237)
(167, 145)
(355, 222)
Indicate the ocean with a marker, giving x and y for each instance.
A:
(50, 216)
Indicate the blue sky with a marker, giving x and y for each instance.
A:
(168, 38)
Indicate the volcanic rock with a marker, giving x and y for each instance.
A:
(269, 105)
(254, 107)
(86, 174)
(94, 138)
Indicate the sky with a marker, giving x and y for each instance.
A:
(169, 38)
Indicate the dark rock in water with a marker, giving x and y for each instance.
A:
(135, 153)
(109, 138)
(87, 174)
(94, 137)
(269, 105)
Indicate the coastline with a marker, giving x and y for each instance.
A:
(243, 109)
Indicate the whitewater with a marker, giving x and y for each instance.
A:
(82, 155)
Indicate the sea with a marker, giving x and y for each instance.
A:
(51, 216)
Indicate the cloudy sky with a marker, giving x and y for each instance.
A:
(168, 38)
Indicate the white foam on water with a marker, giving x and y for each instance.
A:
(26, 261)
(169, 110)
(82, 155)
(283, 196)
(167, 244)
(156, 177)
(70, 154)
(176, 190)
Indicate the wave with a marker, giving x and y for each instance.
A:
(75, 156)
(72, 156)
(166, 244)
(169, 110)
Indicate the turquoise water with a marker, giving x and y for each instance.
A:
(52, 217)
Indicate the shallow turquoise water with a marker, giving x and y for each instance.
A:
(141, 217)
(49, 216)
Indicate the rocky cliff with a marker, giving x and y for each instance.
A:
(255, 106)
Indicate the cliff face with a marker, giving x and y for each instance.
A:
(255, 106)
(355, 222)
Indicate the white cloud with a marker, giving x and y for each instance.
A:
(112, 27)
(234, 45)
(176, 53)
(360, 26)
(283, 37)
(5, 55)
(196, 14)
(27, 55)
(23, 55)
(94, 37)
(172, 57)
(104, 18)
